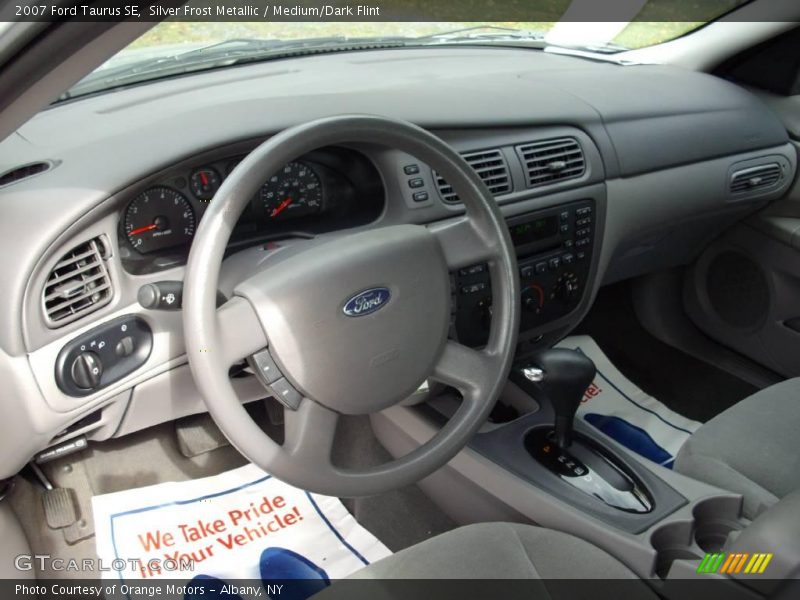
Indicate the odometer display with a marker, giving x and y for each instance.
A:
(295, 191)
(159, 218)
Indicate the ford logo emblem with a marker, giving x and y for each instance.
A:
(367, 302)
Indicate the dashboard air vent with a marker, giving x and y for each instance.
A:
(491, 167)
(551, 161)
(756, 178)
(19, 173)
(78, 284)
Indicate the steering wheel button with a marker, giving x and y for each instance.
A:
(286, 394)
(265, 368)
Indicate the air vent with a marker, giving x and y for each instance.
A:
(78, 285)
(551, 161)
(491, 167)
(756, 179)
(19, 173)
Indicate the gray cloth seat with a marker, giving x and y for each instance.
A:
(752, 448)
(507, 551)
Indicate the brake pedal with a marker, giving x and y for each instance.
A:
(59, 504)
(60, 509)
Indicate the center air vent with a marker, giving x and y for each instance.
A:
(78, 285)
(755, 179)
(553, 160)
(491, 167)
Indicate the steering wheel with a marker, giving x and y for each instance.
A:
(354, 323)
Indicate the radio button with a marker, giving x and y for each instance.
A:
(565, 215)
(526, 272)
(555, 263)
(568, 259)
(541, 268)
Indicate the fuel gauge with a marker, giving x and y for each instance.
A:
(204, 183)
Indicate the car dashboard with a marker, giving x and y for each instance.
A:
(603, 172)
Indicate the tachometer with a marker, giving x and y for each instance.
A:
(159, 218)
(295, 191)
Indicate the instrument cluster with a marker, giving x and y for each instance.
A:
(325, 190)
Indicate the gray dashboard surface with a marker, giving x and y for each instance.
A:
(642, 118)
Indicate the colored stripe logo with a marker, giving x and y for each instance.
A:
(735, 562)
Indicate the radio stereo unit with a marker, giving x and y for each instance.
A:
(554, 251)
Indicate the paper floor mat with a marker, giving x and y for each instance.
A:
(239, 525)
(625, 413)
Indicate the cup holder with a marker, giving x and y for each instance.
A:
(673, 542)
(712, 522)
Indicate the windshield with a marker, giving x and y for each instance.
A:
(175, 47)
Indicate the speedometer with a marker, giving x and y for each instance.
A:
(159, 218)
(295, 191)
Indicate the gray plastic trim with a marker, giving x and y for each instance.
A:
(501, 493)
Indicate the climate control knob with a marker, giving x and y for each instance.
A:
(532, 298)
(86, 370)
(566, 287)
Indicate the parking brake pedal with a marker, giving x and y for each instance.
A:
(60, 505)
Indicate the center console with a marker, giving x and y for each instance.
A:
(554, 253)
(531, 461)
(560, 454)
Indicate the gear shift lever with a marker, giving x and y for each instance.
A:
(561, 376)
